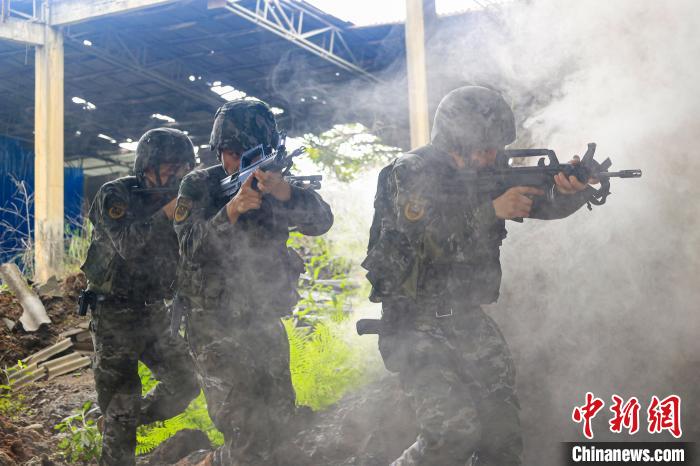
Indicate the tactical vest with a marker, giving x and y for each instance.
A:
(255, 265)
(150, 276)
(449, 258)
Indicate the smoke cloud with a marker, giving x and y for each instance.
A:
(603, 301)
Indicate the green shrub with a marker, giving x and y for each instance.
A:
(11, 402)
(324, 366)
(194, 417)
(345, 150)
(82, 441)
(77, 241)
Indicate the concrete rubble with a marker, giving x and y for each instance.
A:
(34, 314)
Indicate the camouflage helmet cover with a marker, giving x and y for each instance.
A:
(242, 124)
(473, 117)
(163, 145)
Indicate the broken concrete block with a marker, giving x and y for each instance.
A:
(34, 312)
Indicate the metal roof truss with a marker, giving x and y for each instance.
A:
(290, 21)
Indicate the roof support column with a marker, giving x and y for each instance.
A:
(417, 76)
(48, 156)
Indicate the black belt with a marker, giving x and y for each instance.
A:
(129, 300)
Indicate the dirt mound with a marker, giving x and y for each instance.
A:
(60, 300)
(20, 442)
(369, 427)
(29, 436)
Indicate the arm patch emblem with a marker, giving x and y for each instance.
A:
(183, 209)
(117, 210)
(414, 210)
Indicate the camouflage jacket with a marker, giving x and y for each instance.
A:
(247, 261)
(435, 240)
(133, 253)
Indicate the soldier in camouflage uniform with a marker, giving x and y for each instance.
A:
(131, 266)
(433, 261)
(240, 279)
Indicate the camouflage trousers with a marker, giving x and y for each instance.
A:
(123, 335)
(242, 360)
(459, 376)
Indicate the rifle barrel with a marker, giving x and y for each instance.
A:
(634, 173)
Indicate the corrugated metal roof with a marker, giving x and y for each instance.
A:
(164, 60)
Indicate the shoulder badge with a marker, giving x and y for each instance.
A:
(117, 210)
(182, 209)
(414, 210)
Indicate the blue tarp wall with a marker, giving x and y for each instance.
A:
(17, 162)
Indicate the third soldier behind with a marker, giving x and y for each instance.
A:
(240, 279)
(433, 260)
(130, 267)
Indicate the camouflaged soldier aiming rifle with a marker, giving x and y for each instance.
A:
(433, 260)
(240, 278)
(130, 268)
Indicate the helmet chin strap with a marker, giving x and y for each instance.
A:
(220, 156)
(158, 182)
(156, 169)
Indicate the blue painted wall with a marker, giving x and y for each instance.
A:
(17, 166)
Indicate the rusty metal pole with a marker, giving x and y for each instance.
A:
(417, 76)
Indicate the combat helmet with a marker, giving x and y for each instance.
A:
(473, 117)
(241, 124)
(162, 145)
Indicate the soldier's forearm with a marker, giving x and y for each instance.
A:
(197, 236)
(132, 239)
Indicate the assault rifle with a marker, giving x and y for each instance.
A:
(277, 160)
(505, 175)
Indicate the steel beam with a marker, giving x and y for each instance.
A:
(138, 68)
(22, 31)
(289, 20)
(65, 12)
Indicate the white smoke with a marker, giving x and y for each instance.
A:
(604, 301)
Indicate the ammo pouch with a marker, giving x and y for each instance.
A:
(100, 265)
(397, 315)
(295, 266)
(389, 263)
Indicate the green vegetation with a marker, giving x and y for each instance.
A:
(82, 441)
(345, 150)
(77, 244)
(321, 264)
(194, 417)
(323, 364)
(11, 402)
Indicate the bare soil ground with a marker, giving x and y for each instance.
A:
(28, 436)
(61, 307)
